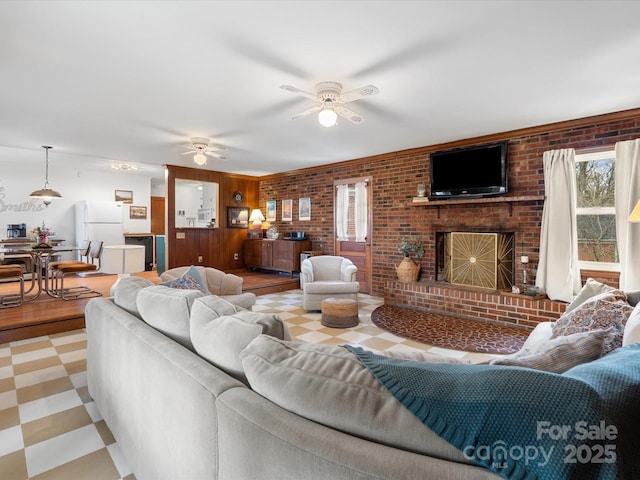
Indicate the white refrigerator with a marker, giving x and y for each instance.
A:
(99, 221)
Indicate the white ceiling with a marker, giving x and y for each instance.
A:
(132, 81)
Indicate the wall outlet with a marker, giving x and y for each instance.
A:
(235, 256)
(199, 258)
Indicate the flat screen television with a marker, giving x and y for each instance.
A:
(477, 171)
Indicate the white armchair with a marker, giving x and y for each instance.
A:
(326, 276)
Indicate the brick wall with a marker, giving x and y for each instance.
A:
(395, 178)
(475, 303)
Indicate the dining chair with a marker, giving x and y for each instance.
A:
(12, 273)
(62, 269)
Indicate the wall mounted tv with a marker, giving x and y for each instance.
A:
(476, 171)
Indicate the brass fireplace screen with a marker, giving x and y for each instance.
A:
(476, 259)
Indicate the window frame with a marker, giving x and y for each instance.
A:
(587, 264)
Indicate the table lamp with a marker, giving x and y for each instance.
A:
(256, 218)
(123, 260)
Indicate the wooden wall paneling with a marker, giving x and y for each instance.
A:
(218, 245)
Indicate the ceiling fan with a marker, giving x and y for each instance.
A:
(332, 100)
(201, 147)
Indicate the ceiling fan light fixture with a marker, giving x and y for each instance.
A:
(200, 158)
(327, 117)
(46, 194)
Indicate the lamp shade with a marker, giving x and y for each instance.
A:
(256, 217)
(635, 214)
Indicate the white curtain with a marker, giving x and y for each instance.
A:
(342, 212)
(361, 211)
(558, 273)
(627, 172)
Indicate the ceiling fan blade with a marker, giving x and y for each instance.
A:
(307, 112)
(366, 91)
(217, 146)
(308, 95)
(350, 115)
(188, 152)
(217, 155)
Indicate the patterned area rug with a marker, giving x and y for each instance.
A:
(449, 332)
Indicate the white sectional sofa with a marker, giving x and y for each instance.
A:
(182, 406)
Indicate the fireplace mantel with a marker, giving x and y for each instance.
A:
(510, 200)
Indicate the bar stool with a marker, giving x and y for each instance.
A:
(12, 272)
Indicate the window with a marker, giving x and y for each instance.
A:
(595, 211)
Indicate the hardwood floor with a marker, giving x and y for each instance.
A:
(48, 315)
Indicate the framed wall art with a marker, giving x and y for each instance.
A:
(271, 211)
(304, 208)
(124, 196)
(238, 217)
(137, 213)
(287, 210)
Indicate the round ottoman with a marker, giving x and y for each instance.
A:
(339, 312)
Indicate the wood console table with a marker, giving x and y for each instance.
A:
(278, 255)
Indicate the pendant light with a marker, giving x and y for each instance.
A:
(46, 194)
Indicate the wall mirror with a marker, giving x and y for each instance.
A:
(196, 204)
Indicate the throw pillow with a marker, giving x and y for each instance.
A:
(190, 280)
(608, 311)
(590, 289)
(559, 354)
(220, 330)
(329, 385)
(126, 292)
(632, 328)
(167, 310)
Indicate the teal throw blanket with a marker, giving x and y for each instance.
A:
(528, 424)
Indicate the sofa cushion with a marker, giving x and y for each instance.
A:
(220, 331)
(608, 311)
(559, 354)
(590, 289)
(331, 287)
(632, 327)
(167, 310)
(633, 297)
(126, 292)
(190, 280)
(327, 384)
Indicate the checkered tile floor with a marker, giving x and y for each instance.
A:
(50, 428)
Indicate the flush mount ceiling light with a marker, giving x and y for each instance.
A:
(202, 147)
(332, 100)
(125, 167)
(46, 194)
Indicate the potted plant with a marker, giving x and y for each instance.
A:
(408, 270)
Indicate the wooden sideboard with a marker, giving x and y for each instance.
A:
(278, 255)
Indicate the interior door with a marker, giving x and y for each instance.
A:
(352, 225)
